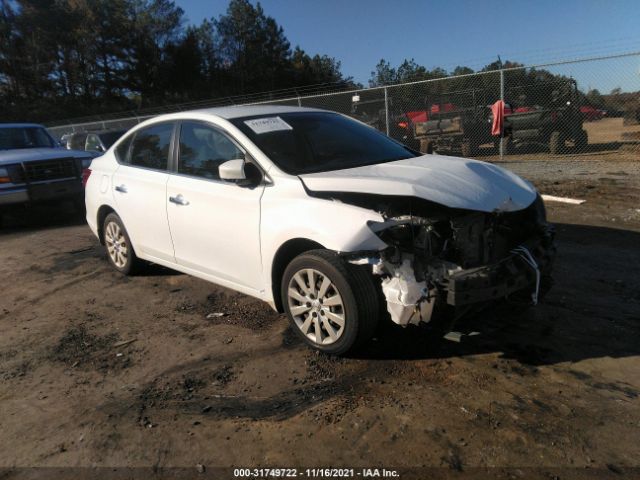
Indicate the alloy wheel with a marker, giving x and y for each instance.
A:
(316, 306)
(116, 244)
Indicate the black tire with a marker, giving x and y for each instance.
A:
(582, 141)
(356, 288)
(556, 143)
(132, 263)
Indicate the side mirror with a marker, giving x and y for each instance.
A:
(232, 170)
(100, 148)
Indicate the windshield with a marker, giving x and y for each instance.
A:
(24, 137)
(306, 142)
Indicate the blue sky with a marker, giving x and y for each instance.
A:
(460, 32)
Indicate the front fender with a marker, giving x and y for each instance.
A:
(289, 213)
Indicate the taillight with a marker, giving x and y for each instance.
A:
(86, 173)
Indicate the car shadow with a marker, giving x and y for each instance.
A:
(592, 311)
(63, 214)
(40, 217)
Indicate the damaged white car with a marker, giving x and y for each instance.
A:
(321, 216)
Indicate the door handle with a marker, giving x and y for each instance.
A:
(179, 200)
(121, 188)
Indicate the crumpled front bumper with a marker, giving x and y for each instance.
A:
(506, 277)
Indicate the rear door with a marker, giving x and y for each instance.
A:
(215, 224)
(140, 188)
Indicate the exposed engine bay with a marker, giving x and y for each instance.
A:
(439, 256)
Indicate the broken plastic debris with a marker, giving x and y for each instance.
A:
(215, 315)
(573, 201)
(377, 266)
(364, 261)
(453, 336)
(403, 292)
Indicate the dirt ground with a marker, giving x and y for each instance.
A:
(99, 370)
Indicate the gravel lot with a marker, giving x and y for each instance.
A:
(102, 370)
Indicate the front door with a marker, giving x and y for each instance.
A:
(215, 224)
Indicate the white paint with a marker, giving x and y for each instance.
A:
(218, 233)
(143, 210)
(232, 170)
(453, 182)
(229, 234)
(573, 201)
(403, 292)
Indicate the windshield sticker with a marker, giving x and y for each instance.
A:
(266, 125)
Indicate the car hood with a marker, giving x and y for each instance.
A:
(33, 154)
(453, 182)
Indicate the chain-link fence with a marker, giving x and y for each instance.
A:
(581, 107)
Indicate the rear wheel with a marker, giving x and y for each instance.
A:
(119, 249)
(332, 305)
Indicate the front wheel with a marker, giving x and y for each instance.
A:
(332, 305)
(118, 244)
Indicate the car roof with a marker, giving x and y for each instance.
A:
(18, 125)
(237, 111)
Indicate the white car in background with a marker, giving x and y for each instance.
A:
(319, 215)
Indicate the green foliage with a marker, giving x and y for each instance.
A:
(407, 71)
(66, 58)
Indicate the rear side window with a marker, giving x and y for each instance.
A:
(203, 149)
(150, 148)
(122, 150)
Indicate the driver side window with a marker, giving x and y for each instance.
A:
(203, 149)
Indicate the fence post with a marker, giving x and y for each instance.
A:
(386, 109)
(502, 129)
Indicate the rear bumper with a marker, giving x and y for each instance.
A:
(41, 192)
(506, 277)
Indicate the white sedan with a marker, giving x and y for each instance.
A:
(319, 215)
